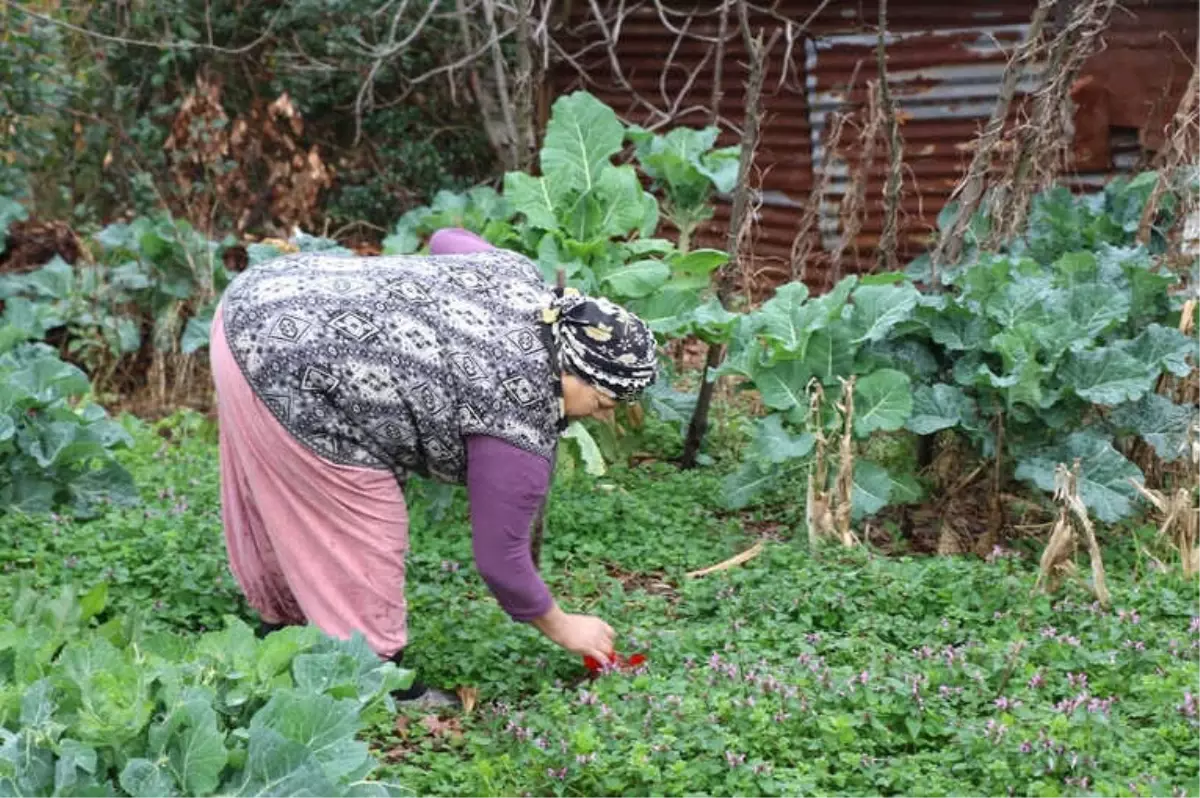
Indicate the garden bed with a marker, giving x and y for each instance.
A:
(797, 672)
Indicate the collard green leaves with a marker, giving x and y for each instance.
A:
(52, 453)
(883, 401)
(1070, 319)
(150, 719)
(1104, 479)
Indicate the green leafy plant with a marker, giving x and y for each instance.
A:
(56, 450)
(107, 708)
(1053, 347)
(1058, 345)
(686, 167)
(481, 210)
(794, 342)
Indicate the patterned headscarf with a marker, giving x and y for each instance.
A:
(601, 343)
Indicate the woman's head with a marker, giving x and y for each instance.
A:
(606, 353)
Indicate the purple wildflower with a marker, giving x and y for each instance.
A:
(734, 759)
(1025, 747)
(584, 759)
(1188, 707)
(560, 774)
(1194, 628)
(541, 743)
(1037, 680)
(1077, 679)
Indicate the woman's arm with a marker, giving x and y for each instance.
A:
(505, 487)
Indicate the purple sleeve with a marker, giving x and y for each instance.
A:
(457, 241)
(505, 487)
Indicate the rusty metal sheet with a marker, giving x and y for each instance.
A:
(945, 63)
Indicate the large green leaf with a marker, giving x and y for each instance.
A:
(871, 489)
(28, 766)
(882, 401)
(45, 443)
(74, 759)
(589, 452)
(721, 166)
(637, 279)
(142, 778)
(1108, 376)
(194, 746)
(673, 158)
(1104, 479)
(956, 327)
(646, 246)
(1164, 349)
(581, 137)
(699, 262)
(774, 444)
(531, 196)
(940, 406)
(614, 207)
(277, 765)
(783, 385)
(712, 323)
(830, 354)
(37, 705)
(325, 726)
(1096, 308)
(47, 378)
(782, 316)
(666, 311)
(754, 478)
(1159, 421)
(1021, 302)
(879, 308)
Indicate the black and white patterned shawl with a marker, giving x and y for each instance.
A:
(391, 362)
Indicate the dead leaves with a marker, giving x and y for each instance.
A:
(428, 730)
(253, 166)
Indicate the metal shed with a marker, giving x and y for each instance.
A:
(654, 62)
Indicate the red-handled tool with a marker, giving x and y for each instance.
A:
(593, 665)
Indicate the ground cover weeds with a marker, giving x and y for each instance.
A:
(798, 672)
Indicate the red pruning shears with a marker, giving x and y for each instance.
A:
(620, 662)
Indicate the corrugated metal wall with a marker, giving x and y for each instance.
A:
(945, 62)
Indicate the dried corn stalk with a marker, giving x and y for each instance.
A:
(1180, 525)
(1056, 559)
(827, 512)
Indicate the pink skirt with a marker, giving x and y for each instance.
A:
(308, 540)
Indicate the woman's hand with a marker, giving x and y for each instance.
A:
(582, 634)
